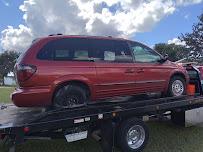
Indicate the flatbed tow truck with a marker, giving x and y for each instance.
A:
(116, 123)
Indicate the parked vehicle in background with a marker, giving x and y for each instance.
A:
(66, 71)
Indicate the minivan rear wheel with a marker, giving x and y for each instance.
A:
(70, 96)
(177, 86)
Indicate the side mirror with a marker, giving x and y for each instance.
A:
(166, 56)
(163, 59)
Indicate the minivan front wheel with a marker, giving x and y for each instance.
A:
(70, 96)
(177, 86)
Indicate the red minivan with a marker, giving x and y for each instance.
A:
(65, 71)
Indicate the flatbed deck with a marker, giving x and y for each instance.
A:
(19, 123)
(39, 118)
(13, 116)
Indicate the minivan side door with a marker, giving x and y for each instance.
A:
(114, 68)
(150, 74)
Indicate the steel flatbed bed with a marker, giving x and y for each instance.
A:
(20, 123)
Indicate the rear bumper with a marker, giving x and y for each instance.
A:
(32, 97)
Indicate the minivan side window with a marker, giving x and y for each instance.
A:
(144, 54)
(83, 49)
(62, 54)
(67, 49)
(46, 53)
(112, 51)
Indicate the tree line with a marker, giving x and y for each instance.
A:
(7, 62)
(193, 50)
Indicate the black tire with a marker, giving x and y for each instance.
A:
(179, 79)
(123, 131)
(70, 96)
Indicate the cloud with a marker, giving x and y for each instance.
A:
(121, 18)
(187, 2)
(176, 41)
(16, 39)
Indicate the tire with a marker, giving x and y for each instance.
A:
(177, 86)
(70, 96)
(125, 141)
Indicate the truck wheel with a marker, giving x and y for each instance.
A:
(177, 86)
(70, 96)
(133, 135)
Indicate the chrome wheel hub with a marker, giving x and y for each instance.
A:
(135, 136)
(177, 88)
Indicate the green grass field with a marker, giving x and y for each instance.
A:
(164, 137)
(5, 94)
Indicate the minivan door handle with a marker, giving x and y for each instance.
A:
(140, 70)
(130, 70)
(91, 59)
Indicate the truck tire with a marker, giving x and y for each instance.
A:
(70, 96)
(133, 135)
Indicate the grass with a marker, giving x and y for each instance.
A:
(5, 94)
(164, 137)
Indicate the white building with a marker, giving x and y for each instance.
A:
(9, 79)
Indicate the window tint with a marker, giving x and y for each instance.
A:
(66, 49)
(111, 51)
(62, 54)
(46, 53)
(144, 54)
(99, 47)
(81, 55)
(84, 49)
(122, 51)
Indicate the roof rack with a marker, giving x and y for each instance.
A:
(55, 34)
(109, 36)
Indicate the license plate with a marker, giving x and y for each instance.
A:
(76, 136)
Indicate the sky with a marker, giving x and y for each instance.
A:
(147, 21)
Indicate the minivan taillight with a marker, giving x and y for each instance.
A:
(25, 72)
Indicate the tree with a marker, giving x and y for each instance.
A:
(194, 40)
(7, 62)
(175, 52)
